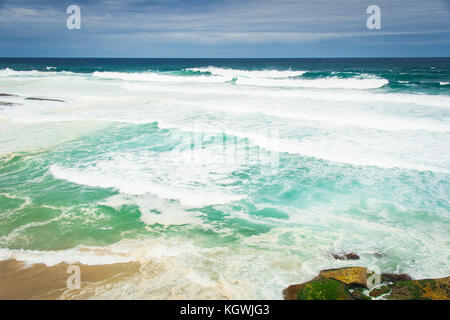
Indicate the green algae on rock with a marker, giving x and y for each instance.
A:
(351, 283)
(320, 288)
(426, 289)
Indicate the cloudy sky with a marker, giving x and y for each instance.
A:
(224, 28)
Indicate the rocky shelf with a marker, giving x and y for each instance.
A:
(355, 283)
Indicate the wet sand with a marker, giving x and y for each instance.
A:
(19, 281)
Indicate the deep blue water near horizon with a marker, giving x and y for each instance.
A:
(99, 168)
(423, 74)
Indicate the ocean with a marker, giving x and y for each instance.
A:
(225, 178)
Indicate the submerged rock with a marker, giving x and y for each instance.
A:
(43, 99)
(378, 255)
(346, 256)
(2, 103)
(351, 283)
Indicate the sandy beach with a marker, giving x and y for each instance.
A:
(38, 281)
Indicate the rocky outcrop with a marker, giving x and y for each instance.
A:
(351, 283)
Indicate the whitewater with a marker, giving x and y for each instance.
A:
(226, 178)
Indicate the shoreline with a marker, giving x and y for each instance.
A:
(20, 281)
(115, 281)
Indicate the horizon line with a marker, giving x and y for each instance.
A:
(362, 57)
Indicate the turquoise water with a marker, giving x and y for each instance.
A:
(234, 177)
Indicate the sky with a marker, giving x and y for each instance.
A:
(224, 29)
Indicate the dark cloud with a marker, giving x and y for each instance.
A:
(222, 28)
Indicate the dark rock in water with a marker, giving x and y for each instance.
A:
(379, 291)
(318, 289)
(43, 99)
(346, 256)
(427, 289)
(2, 103)
(6, 95)
(394, 277)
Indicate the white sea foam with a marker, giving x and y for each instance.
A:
(270, 79)
(124, 251)
(253, 78)
(157, 77)
(133, 184)
(342, 152)
(181, 268)
(34, 73)
(233, 73)
(325, 83)
(190, 106)
(306, 94)
(155, 210)
(332, 119)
